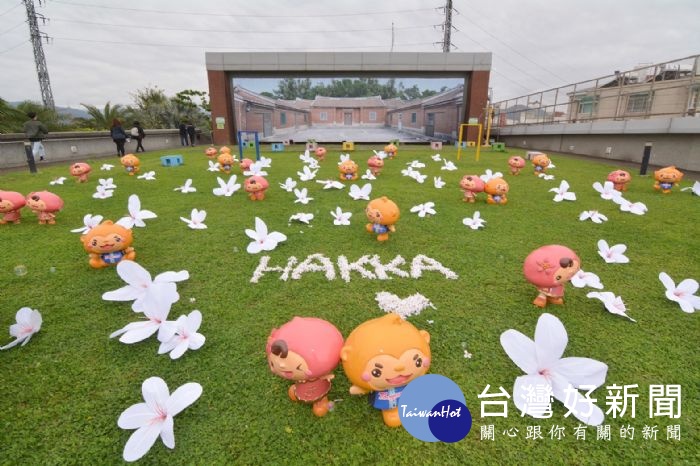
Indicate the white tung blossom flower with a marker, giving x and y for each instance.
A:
(412, 305)
(226, 188)
(302, 196)
(107, 183)
(331, 184)
(636, 208)
(358, 193)
(148, 176)
(102, 193)
(136, 214)
(474, 222)
(593, 215)
(416, 164)
(302, 217)
(546, 177)
(28, 323)
(368, 175)
(154, 418)
(106, 167)
(214, 166)
(340, 217)
(187, 187)
(695, 189)
(255, 169)
(155, 307)
(288, 185)
(58, 180)
(607, 190)
(196, 220)
(448, 165)
(436, 157)
(139, 285)
(437, 182)
(683, 294)
(612, 254)
(425, 209)
(562, 192)
(262, 241)
(179, 336)
(542, 361)
(90, 221)
(613, 304)
(589, 279)
(307, 174)
(488, 174)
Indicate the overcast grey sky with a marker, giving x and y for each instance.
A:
(103, 50)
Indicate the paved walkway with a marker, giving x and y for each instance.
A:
(345, 133)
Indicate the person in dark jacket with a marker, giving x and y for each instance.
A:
(191, 132)
(118, 136)
(183, 133)
(35, 131)
(137, 133)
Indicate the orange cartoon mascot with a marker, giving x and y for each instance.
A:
(108, 244)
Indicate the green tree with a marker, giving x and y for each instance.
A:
(11, 119)
(102, 118)
(52, 120)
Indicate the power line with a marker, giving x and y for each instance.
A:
(14, 46)
(245, 31)
(252, 49)
(237, 15)
(12, 28)
(7, 11)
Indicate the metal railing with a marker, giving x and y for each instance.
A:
(664, 89)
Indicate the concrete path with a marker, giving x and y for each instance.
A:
(345, 133)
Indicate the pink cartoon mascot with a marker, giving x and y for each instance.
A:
(80, 171)
(45, 204)
(471, 185)
(516, 163)
(256, 186)
(10, 204)
(305, 351)
(620, 179)
(375, 164)
(549, 268)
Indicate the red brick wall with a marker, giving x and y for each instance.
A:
(477, 98)
(221, 102)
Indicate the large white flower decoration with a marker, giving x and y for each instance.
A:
(255, 169)
(593, 215)
(546, 177)
(331, 184)
(344, 158)
(58, 180)
(613, 304)
(107, 183)
(106, 167)
(288, 185)
(262, 240)
(187, 187)
(148, 176)
(265, 162)
(607, 190)
(302, 217)
(448, 165)
(136, 214)
(612, 254)
(306, 157)
(302, 196)
(226, 188)
(425, 209)
(154, 418)
(102, 193)
(90, 221)
(488, 174)
(381, 154)
(562, 192)
(306, 174)
(196, 220)
(637, 208)
(416, 164)
(589, 279)
(214, 166)
(340, 217)
(542, 361)
(155, 307)
(695, 189)
(139, 285)
(362, 193)
(179, 336)
(437, 182)
(474, 222)
(683, 294)
(436, 157)
(28, 323)
(368, 175)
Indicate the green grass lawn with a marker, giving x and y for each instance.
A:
(63, 392)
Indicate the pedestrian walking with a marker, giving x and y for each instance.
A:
(191, 132)
(35, 132)
(183, 133)
(137, 133)
(118, 136)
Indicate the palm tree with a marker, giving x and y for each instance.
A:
(102, 119)
(11, 119)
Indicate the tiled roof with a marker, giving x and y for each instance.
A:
(374, 101)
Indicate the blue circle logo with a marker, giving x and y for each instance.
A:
(432, 408)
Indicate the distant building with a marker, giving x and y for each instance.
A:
(435, 116)
(255, 112)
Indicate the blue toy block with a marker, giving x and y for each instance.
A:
(171, 160)
(464, 143)
(277, 147)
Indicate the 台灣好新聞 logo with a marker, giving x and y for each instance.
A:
(432, 408)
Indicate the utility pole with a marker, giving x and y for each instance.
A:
(36, 37)
(392, 37)
(447, 26)
(446, 42)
